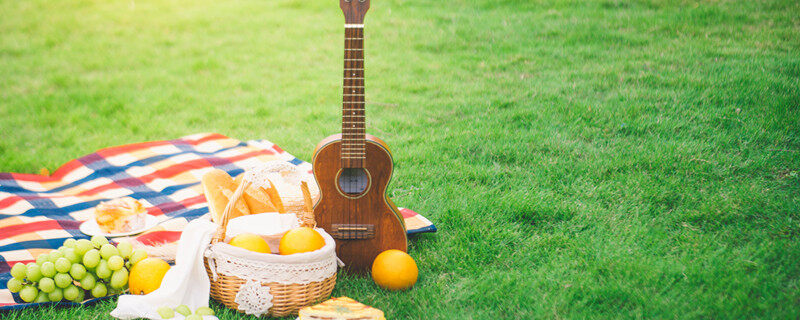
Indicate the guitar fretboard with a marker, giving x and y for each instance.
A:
(353, 131)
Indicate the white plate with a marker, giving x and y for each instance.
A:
(91, 228)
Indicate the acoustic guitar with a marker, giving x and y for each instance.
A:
(353, 168)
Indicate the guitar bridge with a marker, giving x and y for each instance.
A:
(352, 231)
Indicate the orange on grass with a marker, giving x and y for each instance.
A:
(394, 270)
(146, 275)
(302, 239)
(249, 241)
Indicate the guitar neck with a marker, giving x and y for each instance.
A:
(353, 123)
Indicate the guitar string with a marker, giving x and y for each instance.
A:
(357, 162)
(348, 81)
(359, 54)
(350, 164)
(362, 127)
(350, 179)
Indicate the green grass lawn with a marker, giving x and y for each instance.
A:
(582, 159)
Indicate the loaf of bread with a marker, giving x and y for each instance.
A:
(274, 197)
(256, 198)
(218, 187)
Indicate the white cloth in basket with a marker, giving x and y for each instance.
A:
(185, 283)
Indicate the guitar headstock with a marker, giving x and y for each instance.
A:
(354, 10)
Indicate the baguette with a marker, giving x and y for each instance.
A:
(256, 198)
(218, 188)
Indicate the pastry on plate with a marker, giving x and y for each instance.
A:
(341, 308)
(120, 215)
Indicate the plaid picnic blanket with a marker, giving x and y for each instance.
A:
(37, 213)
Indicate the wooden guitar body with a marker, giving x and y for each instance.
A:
(353, 168)
(364, 224)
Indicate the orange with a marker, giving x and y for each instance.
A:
(394, 270)
(249, 241)
(302, 239)
(146, 275)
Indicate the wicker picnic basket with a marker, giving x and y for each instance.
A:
(269, 284)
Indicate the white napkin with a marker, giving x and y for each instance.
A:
(185, 283)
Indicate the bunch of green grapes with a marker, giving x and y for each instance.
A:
(76, 270)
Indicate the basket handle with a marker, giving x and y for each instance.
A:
(223, 223)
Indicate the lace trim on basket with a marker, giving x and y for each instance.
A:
(271, 272)
(254, 298)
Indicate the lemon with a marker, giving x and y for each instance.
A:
(146, 275)
(249, 241)
(394, 270)
(302, 239)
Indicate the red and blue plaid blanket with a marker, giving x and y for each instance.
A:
(37, 212)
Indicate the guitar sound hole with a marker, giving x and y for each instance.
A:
(353, 181)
